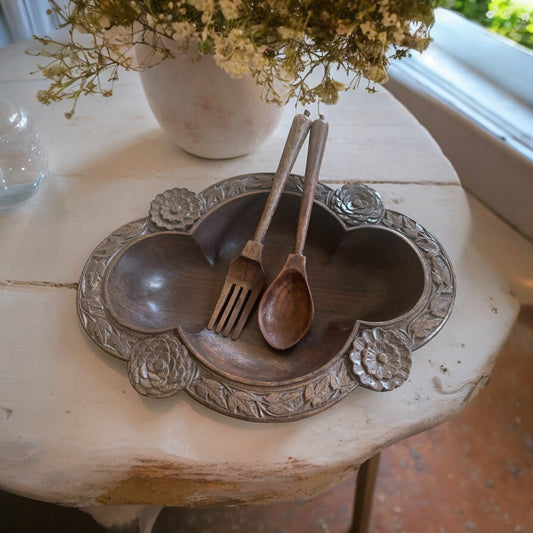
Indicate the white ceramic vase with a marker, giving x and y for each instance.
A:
(205, 111)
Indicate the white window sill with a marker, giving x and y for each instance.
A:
(473, 91)
(485, 77)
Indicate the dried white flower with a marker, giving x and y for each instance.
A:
(278, 42)
(368, 29)
(230, 8)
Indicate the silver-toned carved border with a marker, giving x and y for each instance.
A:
(378, 356)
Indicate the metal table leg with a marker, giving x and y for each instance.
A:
(364, 493)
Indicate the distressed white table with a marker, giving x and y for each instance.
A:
(72, 429)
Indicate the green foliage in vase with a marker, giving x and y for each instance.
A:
(309, 50)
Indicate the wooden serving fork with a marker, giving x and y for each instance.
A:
(245, 278)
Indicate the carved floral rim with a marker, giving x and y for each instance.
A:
(378, 357)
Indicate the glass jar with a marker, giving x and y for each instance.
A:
(23, 160)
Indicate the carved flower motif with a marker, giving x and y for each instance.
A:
(381, 359)
(176, 209)
(356, 203)
(159, 366)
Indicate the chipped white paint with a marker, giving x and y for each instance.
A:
(73, 431)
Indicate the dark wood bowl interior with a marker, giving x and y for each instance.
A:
(168, 280)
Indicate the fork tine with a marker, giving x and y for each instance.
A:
(237, 330)
(221, 302)
(236, 311)
(229, 307)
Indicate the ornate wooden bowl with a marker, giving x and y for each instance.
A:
(381, 284)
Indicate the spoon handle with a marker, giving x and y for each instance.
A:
(317, 145)
(295, 139)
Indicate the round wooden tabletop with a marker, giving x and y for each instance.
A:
(74, 431)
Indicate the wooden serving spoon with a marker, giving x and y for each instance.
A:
(286, 309)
